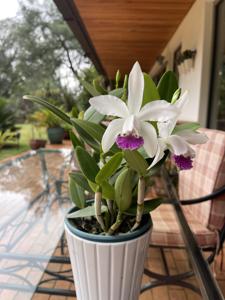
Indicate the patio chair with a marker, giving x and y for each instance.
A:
(202, 194)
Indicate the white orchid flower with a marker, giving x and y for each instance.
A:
(178, 142)
(132, 128)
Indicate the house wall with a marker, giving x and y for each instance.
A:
(195, 32)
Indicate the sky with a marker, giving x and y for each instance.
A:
(8, 8)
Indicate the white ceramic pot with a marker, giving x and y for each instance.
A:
(108, 268)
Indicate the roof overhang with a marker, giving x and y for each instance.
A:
(116, 33)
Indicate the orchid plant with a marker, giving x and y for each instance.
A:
(125, 134)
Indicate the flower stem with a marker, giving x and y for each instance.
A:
(140, 203)
(116, 225)
(98, 201)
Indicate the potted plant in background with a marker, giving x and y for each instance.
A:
(54, 125)
(37, 120)
(108, 236)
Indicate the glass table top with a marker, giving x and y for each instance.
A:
(33, 203)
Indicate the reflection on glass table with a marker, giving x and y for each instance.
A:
(33, 203)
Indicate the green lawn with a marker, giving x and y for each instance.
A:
(25, 137)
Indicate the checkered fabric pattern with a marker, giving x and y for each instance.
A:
(207, 175)
(166, 230)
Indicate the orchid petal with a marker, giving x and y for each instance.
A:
(177, 145)
(158, 110)
(109, 105)
(109, 137)
(193, 137)
(159, 154)
(131, 124)
(149, 135)
(181, 101)
(135, 89)
(166, 128)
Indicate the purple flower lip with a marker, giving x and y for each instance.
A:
(183, 162)
(129, 142)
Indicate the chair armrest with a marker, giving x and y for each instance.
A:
(211, 196)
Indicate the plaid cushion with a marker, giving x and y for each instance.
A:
(166, 231)
(207, 175)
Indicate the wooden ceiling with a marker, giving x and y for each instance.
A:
(119, 32)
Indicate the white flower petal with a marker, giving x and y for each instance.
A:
(131, 124)
(166, 128)
(177, 145)
(158, 110)
(135, 89)
(109, 105)
(159, 154)
(193, 137)
(149, 135)
(109, 137)
(181, 101)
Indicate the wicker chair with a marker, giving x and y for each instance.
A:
(202, 194)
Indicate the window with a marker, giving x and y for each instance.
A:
(216, 116)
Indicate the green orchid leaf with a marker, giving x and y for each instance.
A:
(167, 86)
(93, 186)
(149, 205)
(87, 163)
(117, 79)
(93, 116)
(150, 91)
(80, 179)
(117, 92)
(76, 193)
(90, 88)
(109, 168)
(108, 191)
(96, 131)
(88, 211)
(98, 87)
(59, 113)
(123, 190)
(136, 161)
(176, 95)
(85, 136)
(187, 126)
(75, 141)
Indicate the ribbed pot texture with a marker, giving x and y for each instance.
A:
(107, 271)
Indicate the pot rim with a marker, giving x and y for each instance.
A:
(146, 224)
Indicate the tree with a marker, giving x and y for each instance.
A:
(38, 53)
